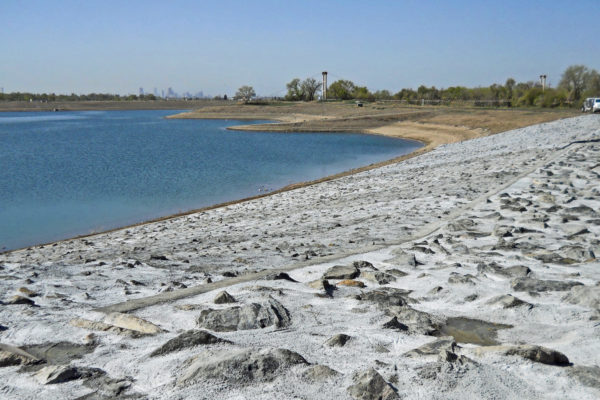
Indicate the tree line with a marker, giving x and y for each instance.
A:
(26, 96)
(577, 82)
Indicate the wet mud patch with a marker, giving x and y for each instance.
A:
(474, 331)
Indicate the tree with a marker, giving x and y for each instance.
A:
(428, 93)
(406, 94)
(310, 87)
(456, 93)
(362, 93)
(294, 91)
(245, 93)
(302, 90)
(592, 84)
(573, 80)
(341, 90)
(383, 95)
(509, 85)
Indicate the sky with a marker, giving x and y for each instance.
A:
(107, 46)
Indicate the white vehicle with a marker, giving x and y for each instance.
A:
(591, 104)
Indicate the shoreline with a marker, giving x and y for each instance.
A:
(430, 135)
(287, 188)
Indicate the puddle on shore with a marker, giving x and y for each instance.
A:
(474, 331)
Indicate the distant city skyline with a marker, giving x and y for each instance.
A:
(216, 47)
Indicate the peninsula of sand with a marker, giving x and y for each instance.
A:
(467, 271)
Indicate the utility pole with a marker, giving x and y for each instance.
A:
(324, 85)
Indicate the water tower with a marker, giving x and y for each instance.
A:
(543, 82)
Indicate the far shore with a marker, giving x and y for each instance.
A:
(431, 125)
(23, 106)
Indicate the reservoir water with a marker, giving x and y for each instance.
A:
(72, 173)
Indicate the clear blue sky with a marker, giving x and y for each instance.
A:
(66, 46)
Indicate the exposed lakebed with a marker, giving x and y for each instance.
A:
(70, 173)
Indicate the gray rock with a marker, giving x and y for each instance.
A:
(131, 322)
(280, 276)
(539, 354)
(494, 215)
(588, 296)
(444, 343)
(251, 316)
(537, 285)
(456, 278)
(60, 353)
(265, 290)
(53, 374)
(588, 376)
(417, 321)
(518, 271)
(493, 268)
(240, 367)
(3, 328)
(395, 324)
(186, 340)
(460, 249)
(108, 388)
(403, 259)
(508, 301)
(377, 276)
(446, 356)
(502, 231)
(101, 326)
(396, 272)
(11, 355)
(319, 373)
(471, 297)
(224, 298)
(363, 265)
(582, 210)
(27, 292)
(341, 272)
(577, 253)
(369, 385)
(553, 258)
(436, 290)
(573, 230)
(386, 297)
(448, 367)
(338, 340)
(461, 225)
(16, 299)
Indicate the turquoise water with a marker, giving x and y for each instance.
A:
(71, 173)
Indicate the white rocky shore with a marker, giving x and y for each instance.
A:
(469, 272)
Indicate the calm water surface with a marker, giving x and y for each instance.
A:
(71, 173)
